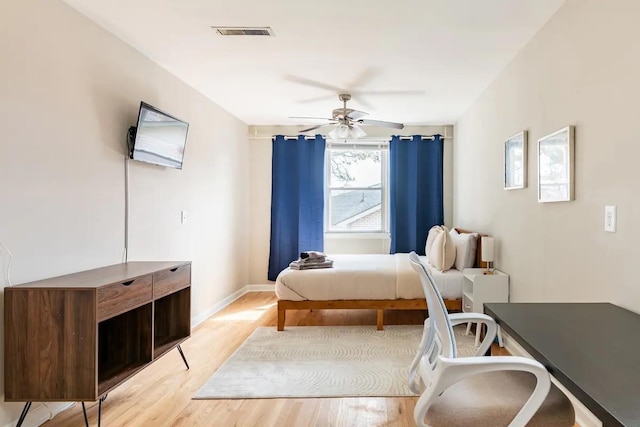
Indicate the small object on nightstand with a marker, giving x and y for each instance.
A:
(487, 253)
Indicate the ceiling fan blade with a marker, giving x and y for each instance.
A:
(380, 123)
(356, 114)
(312, 83)
(348, 113)
(365, 77)
(314, 127)
(363, 102)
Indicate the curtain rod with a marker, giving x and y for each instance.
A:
(432, 137)
(402, 138)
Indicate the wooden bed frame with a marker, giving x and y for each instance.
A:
(379, 305)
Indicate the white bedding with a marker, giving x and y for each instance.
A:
(364, 277)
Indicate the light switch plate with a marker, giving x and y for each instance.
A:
(610, 219)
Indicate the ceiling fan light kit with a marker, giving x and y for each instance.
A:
(347, 121)
(347, 132)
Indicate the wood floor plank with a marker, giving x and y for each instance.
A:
(160, 395)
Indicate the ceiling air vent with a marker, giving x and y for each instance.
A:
(244, 31)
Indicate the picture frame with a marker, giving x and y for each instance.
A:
(556, 166)
(515, 161)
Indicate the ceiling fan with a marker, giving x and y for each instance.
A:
(357, 87)
(348, 121)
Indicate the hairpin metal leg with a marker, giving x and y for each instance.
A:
(102, 399)
(84, 412)
(182, 354)
(23, 415)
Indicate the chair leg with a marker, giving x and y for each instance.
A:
(468, 328)
(500, 342)
(478, 333)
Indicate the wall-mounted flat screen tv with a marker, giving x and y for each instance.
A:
(158, 138)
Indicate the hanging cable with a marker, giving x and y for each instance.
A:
(125, 255)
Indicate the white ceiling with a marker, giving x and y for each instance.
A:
(427, 59)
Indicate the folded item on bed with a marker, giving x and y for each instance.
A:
(295, 265)
(311, 260)
(309, 255)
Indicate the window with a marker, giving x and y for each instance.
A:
(356, 189)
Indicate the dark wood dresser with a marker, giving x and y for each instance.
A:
(76, 337)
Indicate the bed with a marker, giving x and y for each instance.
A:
(367, 281)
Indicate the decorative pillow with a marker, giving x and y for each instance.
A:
(466, 245)
(442, 253)
(432, 235)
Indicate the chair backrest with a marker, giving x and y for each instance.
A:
(444, 342)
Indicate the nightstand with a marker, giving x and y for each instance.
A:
(478, 288)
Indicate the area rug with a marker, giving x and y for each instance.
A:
(322, 361)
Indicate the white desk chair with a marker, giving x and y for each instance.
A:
(428, 335)
(499, 333)
(479, 391)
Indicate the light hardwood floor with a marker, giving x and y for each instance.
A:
(161, 394)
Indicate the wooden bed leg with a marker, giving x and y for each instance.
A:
(380, 319)
(281, 317)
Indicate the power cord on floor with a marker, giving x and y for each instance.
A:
(48, 409)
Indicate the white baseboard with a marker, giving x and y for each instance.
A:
(584, 417)
(196, 320)
(260, 288)
(40, 413)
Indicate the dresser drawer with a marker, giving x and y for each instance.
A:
(119, 297)
(168, 281)
(467, 304)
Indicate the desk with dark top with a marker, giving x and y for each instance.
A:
(593, 349)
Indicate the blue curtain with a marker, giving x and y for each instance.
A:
(415, 191)
(297, 200)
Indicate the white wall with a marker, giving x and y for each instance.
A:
(68, 93)
(581, 69)
(260, 190)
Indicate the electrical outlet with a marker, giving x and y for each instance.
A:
(610, 219)
(183, 217)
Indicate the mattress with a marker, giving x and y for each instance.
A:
(364, 277)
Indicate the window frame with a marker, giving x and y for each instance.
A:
(358, 145)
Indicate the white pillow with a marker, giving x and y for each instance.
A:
(442, 253)
(466, 244)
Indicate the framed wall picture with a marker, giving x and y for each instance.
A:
(555, 166)
(515, 161)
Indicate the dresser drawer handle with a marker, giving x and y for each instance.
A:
(173, 270)
(467, 306)
(128, 283)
